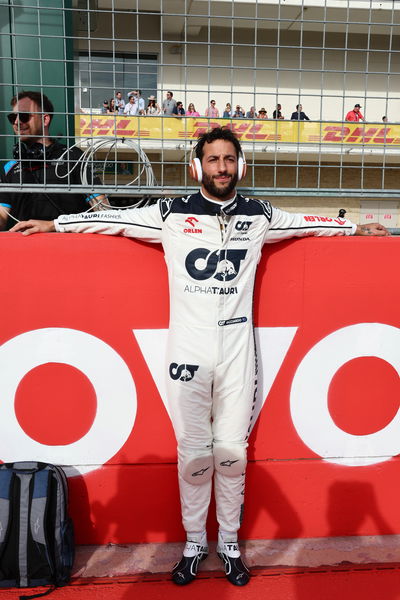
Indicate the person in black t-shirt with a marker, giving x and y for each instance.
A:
(37, 162)
(299, 115)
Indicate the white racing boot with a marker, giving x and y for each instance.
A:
(228, 550)
(195, 550)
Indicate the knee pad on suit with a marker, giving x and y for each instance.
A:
(196, 468)
(230, 459)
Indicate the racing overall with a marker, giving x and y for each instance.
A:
(212, 250)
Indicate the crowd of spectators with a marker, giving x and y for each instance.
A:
(135, 106)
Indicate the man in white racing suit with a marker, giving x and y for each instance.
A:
(212, 242)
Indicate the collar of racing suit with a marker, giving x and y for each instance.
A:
(227, 207)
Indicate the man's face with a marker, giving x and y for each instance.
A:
(131, 99)
(37, 125)
(119, 95)
(219, 165)
(357, 109)
(169, 96)
(300, 108)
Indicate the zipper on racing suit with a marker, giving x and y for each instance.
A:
(223, 224)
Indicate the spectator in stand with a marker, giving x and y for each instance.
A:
(212, 111)
(342, 213)
(180, 111)
(153, 108)
(299, 115)
(132, 94)
(238, 113)
(277, 114)
(169, 104)
(191, 111)
(105, 108)
(123, 169)
(384, 119)
(262, 113)
(119, 103)
(228, 112)
(251, 114)
(111, 106)
(131, 107)
(139, 101)
(355, 114)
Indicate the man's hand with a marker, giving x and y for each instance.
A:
(371, 229)
(32, 226)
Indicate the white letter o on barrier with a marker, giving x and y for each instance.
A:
(107, 372)
(309, 395)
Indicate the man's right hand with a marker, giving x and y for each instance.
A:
(33, 226)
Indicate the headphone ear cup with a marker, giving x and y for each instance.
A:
(242, 167)
(195, 169)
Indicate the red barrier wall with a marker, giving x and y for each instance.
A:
(83, 331)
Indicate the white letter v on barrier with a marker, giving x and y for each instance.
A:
(272, 343)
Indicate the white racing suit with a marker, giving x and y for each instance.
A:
(212, 250)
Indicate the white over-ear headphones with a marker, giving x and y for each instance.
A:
(196, 172)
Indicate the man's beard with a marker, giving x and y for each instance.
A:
(219, 192)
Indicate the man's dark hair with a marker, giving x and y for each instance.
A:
(219, 133)
(41, 100)
(169, 92)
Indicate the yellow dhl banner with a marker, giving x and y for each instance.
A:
(247, 130)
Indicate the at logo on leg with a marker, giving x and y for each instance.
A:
(182, 372)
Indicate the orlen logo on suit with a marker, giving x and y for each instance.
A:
(192, 229)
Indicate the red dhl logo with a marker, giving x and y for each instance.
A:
(359, 135)
(248, 131)
(100, 126)
(243, 131)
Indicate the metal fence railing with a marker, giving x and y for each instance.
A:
(273, 55)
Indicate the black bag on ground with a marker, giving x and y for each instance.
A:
(36, 533)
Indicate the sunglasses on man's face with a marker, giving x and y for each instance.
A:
(23, 117)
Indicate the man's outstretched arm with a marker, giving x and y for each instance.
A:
(144, 223)
(285, 225)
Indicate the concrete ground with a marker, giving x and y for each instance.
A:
(116, 560)
(353, 568)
